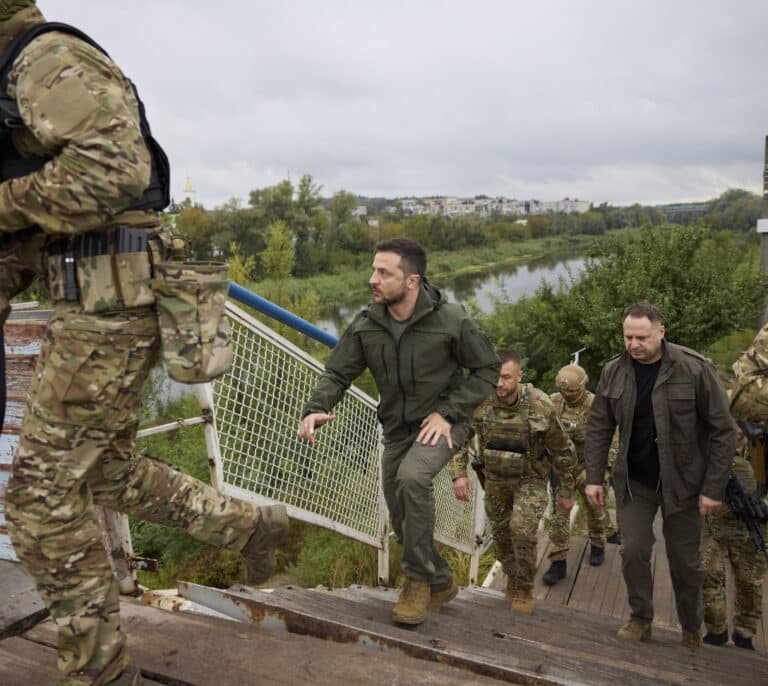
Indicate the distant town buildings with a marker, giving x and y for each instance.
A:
(483, 206)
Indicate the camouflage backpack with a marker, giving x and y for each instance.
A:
(749, 401)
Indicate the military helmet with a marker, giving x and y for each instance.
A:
(572, 377)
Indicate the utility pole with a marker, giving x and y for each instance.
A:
(762, 229)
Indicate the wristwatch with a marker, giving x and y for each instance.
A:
(444, 414)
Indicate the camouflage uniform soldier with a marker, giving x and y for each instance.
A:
(520, 440)
(725, 536)
(80, 115)
(572, 404)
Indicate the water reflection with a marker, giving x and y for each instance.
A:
(506, 284)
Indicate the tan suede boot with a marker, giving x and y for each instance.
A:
(635, 630)
(522, 601)
(438, 598)
(691, 639)
(259, 552)
(411, 606)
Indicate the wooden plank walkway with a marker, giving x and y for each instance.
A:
(601, 590)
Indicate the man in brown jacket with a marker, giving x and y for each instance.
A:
(677, 439)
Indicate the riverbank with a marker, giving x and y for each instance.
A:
(445, 267)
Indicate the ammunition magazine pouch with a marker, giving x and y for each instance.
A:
(105, 271)
(504, 464)
(194, 329)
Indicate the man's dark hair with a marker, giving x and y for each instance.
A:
(413, 259)
(509, 355)
(643, 309)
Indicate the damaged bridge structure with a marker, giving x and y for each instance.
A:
(199, 635)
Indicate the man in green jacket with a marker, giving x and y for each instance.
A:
(676, 443)
(432, 367)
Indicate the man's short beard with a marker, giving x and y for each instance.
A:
(389, 302)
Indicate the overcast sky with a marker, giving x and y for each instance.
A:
(643, 101)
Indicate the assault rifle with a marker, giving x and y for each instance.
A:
(751, 510)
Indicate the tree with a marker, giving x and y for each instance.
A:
(277, 258)
(196, 224)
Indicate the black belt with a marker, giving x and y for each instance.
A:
(123, 239)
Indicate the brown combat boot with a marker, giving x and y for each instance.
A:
(691, 639)
(522, 602)
(259, 552)
(438, 598)
(636, 630)
(411, 606)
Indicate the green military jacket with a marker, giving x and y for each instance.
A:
(574, 418)
(524, 440)
(696, 434)
(442, 363)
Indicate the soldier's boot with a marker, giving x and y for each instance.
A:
(520, 600)
(556, 571)
(131, 676)
(411, 606)
(596, 555)
(742, 642)
(259, 552)
(716, 639)
(445, 595)
(635, 630)
(691, 639)
(614, 538)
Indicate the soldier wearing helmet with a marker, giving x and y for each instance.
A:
(572, 403)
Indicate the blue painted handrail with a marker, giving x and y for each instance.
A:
(243, 295)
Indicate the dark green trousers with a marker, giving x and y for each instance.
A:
(682, 532)
(408, 469)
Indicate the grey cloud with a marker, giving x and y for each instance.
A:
(620, 101)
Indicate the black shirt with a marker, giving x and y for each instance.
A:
(643, 455)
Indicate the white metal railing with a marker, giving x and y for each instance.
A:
(337, 482)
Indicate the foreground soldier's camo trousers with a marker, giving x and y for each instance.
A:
(76, 449)
(514, 509)
(598, 524)
(726, 537)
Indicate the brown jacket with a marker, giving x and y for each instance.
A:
(696, 433)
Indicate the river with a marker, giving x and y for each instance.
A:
(507, 284)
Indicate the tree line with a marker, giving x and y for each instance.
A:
(327, 236)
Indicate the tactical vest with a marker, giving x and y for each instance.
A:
(507, 448)
(13, 165)
(574, 420)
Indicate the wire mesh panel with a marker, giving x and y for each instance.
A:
(455, 519)
(258, 404)
(336, 482)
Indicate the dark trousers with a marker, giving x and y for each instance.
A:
(408, 469)
(682, 532)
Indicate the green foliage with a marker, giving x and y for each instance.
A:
(240, 267)
(725, 351)
(706, 283)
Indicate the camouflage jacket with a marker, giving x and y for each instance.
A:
(749, 400)
(574, 418)
(78, 109)
(525, 440)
